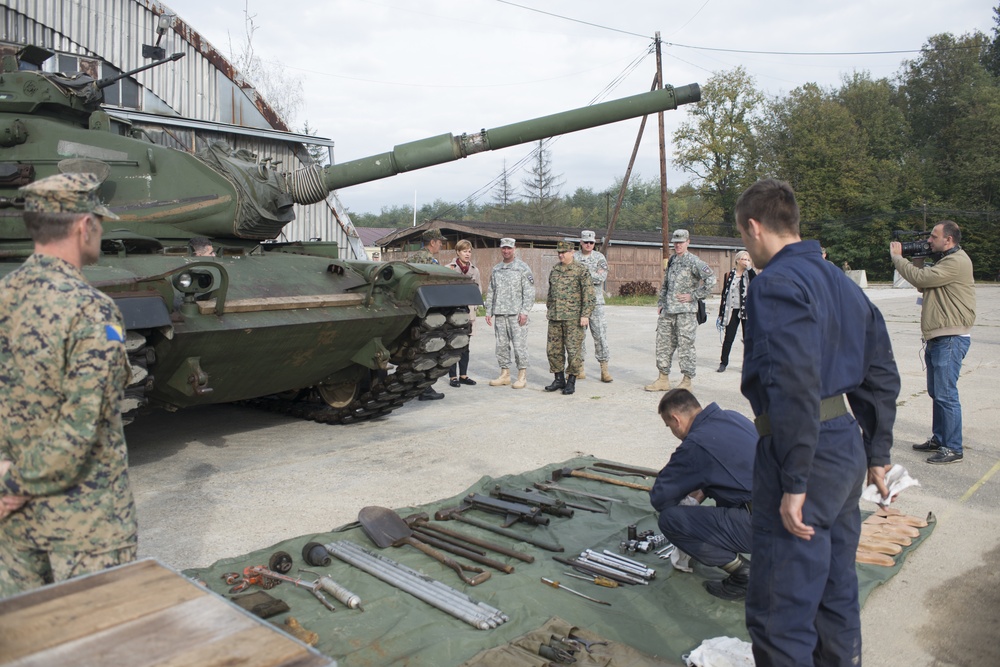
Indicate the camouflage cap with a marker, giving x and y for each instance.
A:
(66, 193)
(507, 242)
(679, 235)
(432, 235)
(564, 246)
(587, 236)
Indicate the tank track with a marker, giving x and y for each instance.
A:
(432, 346)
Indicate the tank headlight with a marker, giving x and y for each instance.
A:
(184, 281)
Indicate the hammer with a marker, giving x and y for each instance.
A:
(558, 474)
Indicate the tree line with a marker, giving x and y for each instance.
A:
(867, 158)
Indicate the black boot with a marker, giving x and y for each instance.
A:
(430, 395)
(733, 587)
(558, 383)
(570, 385)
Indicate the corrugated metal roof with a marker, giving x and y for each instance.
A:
(543, 234)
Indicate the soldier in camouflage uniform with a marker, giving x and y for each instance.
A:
(509, 298)
(597, 264)
(570, 303)
(686, 280)
(433, 240)
(66, 506)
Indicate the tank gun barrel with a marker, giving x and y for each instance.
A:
(447, 147)
(108, 80)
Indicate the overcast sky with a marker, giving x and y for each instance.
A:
(377, 73)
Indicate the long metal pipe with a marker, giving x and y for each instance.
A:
(420, 586)
(406, 584)
(397, 570)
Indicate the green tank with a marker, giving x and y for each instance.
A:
(286, 326)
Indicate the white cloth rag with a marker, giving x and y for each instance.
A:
(721, 652)
(680, 560)
(896, 479)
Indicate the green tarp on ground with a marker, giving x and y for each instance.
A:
(667, 618)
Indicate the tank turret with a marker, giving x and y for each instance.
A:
(290, 327)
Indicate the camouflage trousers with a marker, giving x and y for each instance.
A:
(676, 332)
(599, 330)
(564, 346)
(510, 335)
(22, 570)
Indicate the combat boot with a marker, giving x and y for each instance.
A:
(504, 378)
(685, 383)
(605, 374)
(581, 375)
(570, 385)
(733, 587)
(662, 383)
(522, 379)
(558, 383)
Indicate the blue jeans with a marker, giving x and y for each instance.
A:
(943, 356)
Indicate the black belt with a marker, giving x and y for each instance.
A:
(829, 408)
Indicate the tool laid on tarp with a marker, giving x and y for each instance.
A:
(511, 511)
(452, 545)
(246, 579)
(455, 513)
(543, 501)
(885, 533)
(421, 520)
(314, 587)
(599, 581)
(387, 529)
(590, 567)
(618, 562)
(552, 486)
(634, 470)
(435, 593)
(556, 584)
(560, 473)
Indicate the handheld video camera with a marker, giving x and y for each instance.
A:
(918, 247)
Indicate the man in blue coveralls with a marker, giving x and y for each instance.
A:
(714, 460)
(813, 340)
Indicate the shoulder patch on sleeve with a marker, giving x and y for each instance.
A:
(114, 333)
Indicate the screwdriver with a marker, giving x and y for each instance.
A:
(556, 584)
(600, 581)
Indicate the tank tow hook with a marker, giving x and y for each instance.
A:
(190, 378)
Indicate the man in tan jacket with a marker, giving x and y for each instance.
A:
(948, 311)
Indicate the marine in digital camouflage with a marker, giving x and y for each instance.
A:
(66, 193)
(571, 297)
(597, 264)
(422, 256)
(678, 321)
(511, 293)
(63, 370)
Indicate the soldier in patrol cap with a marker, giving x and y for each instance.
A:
(66, 506)
(509, 298)
(686, 280)
(597, 264)
(569, 305)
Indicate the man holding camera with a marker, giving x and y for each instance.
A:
(947, 313)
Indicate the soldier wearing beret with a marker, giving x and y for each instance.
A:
(433, 241)
(571, 301)
(66, 506)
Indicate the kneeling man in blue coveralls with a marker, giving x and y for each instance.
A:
(714, 460)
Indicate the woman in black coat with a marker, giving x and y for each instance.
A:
(732, 310)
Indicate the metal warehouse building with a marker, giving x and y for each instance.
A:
(188, 104)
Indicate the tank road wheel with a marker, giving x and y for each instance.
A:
(433, 344)
(338, 395)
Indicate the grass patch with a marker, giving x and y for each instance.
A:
(630, 300)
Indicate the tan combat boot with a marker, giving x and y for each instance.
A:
(579, 376)
(605, 374)
(522, 379)
(662, 383)
(685, 383)
(504, 378)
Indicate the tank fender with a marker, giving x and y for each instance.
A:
(446, 296)
(143, 312)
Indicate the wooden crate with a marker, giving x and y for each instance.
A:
(141, 614)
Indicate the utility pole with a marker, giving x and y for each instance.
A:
(664, 195)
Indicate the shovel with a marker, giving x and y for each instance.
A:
(386, 528)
